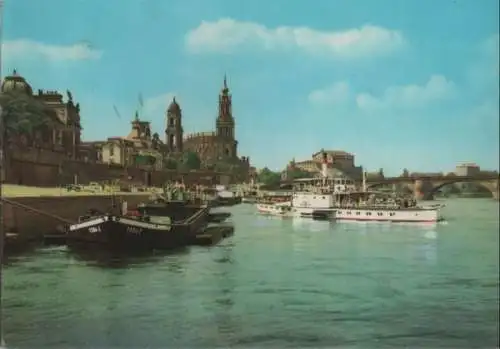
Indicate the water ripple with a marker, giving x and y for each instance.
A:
(276, 283)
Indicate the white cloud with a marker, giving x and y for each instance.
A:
(228, 35)
(29, 49)
(337, 93)
(438, 88)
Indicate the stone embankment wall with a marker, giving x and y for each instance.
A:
(29, 172)
(30, 225)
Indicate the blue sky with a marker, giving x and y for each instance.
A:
(401, 84)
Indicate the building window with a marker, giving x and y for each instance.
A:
(171, 122)
(112, 150)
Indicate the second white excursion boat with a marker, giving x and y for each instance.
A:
(340, 197)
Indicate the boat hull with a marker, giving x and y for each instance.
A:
(274, 209)
(124, 233)
(228, 201)
(248, 200)
(315, 213)
(387, 215)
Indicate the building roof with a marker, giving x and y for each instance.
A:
(333, 152)
(16, 83)
(174, 106)
(467, 164)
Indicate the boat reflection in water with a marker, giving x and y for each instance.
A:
(105, 258)
(301, 224)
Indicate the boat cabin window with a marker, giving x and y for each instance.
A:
(358, 213)
(391, 214)
(368, 213)
(380, 213)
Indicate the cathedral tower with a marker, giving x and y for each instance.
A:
(173, 130)
(225, 121)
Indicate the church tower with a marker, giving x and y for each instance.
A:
(173, 130)
(225, 121)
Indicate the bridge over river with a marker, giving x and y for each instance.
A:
(424, 187)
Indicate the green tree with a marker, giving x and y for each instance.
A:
(298, 173)
(170, 164)
(269, 178)
(190, 161)
(222, 166)
(24, 115)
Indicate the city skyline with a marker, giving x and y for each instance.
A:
(415, 87)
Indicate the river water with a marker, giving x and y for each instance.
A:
(276, 283)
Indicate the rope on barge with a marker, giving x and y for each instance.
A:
(35, 210)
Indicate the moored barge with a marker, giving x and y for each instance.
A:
(141, 229)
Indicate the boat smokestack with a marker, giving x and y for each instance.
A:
(364, 180)
(324, 166)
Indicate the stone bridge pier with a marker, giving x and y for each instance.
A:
(423, 190)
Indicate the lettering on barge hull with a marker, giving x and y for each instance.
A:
(95, 230)
(134, 230)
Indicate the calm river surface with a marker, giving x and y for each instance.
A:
(276, 283)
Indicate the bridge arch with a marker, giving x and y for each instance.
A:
(490, 185)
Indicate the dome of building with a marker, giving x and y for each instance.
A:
(16, 83)
(174, 106)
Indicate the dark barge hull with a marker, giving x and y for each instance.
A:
(126, 233)
(228, 201)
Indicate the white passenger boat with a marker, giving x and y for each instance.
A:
(249, 200)
(364, 206)
(282, 209)
(338, 198)
(313, 205)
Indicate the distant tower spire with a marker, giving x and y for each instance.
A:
(225, 121)
(173, 130)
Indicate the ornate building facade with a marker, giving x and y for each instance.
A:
(139, 148)
(61, 141)
(63, 138)
(340, 163)
(220, 144)
(212, 146)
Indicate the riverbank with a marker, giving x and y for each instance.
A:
(31, 212)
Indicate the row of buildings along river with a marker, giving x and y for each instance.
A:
(60, 141)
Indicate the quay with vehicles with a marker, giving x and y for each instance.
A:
(145, 220)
